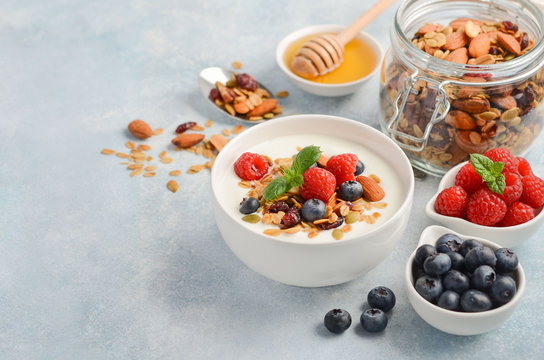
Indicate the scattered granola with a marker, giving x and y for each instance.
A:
(236, 65)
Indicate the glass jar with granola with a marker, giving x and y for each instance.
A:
(463, 77)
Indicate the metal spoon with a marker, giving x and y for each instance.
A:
(207, 79)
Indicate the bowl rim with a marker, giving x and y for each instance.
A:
(404, 206)
(446, 179)
(295, 35)
(410, 284)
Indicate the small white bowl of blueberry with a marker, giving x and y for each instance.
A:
(462, 285)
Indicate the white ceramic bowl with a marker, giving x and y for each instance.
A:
(509, 237)
(456, 322)
(325, 89)
(303, 262)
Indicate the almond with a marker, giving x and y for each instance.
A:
(461, 23)
(472, 105)
(187, 140)
(479, 46)
(458, 56)
(241, 107)
(505, 102)
(372, 191)
(265, 107)
(140, 129)
(460, 120)
(218, 141)
(463, 140)
(465, 92)
(455, 40)
(427, 28)
(509, 42)
(472, 30)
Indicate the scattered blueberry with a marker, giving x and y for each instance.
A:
(456, 281)
(337, 320)
(475, 300)
(381, 298)
(449, 300)
(249, 205)
(374, 320)
(468, 245)
(481, 255)
(423, 252)
(359, 168)
(483, 277)
(429, 287)
(457, 260)
(437, 264)
(507, 261)
(313, 209)
(447, 243)
(350, 190)
(503, 289)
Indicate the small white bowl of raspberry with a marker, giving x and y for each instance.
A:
(509, 219)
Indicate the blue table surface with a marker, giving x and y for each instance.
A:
(95, 264)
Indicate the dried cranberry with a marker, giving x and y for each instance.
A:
(523, 40)
(278, 206)
(509, 26)
(328, 226)
(493, 50)
(291, 217)
(529, 95)
(185, 126)
(246, 82)
(214, 95)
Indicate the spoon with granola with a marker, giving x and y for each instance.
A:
(238, 95)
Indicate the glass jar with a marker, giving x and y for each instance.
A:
(439, 111)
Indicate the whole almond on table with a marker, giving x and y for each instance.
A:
(187, 140)
(372, 191)
(140, 129)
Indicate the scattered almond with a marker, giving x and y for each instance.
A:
(218, 141)
(187, 140)
(140, 129)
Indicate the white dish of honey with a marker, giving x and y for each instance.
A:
(362, 58)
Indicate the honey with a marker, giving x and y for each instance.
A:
(359, 61)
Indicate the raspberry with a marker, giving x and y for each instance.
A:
(485, 207)
(533, 191)
(513, 188)
(468, 179)
(343, 167)
(318, 184)
(505, 156)
(517, 214)
(524, 168)
(250, 166)
(451, 202)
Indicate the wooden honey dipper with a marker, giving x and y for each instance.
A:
(325, 53)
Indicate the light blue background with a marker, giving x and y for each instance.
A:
(97, 265)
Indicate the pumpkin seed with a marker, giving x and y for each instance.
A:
(352, 217)
(252, 218)
(338, 234)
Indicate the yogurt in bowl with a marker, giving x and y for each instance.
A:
(297, 259)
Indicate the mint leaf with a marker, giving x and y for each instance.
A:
(489, 171)
(305, 158)
(276, 188)
(296, 181)
(289, 174)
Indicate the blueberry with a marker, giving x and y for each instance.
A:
(437, 264)
(423, 252)
(481, 255)
(468, 245)
(429, 287)
(249, 205)
(475, 300)
(507, 261)
(350, 190)
(381, 298)
(337, 320)
(456, 281)
(313, 209)
(359, 168)
(449, 300)
(374, 320)
(457, 260)
(483, 277)
(447, 243)
(503, 289)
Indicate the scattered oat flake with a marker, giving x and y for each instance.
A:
(197, 128)
(130, 145)
(166, 160)
(162, 153)
(175, 172)
(272, 232)
(125, 163)
(375, 178)
(226, 132)
(312, 234)
(135, 166)
(149, 158)
(196, 168)
(149, 174)
(237, 129)
(282, 94)
(172, 186)
(346, 228)
(136, 172)
(209, 123)
(150, 168)
(236, 65)
(108, 151)
(158, 131)
(144, 147)
(122, 155)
